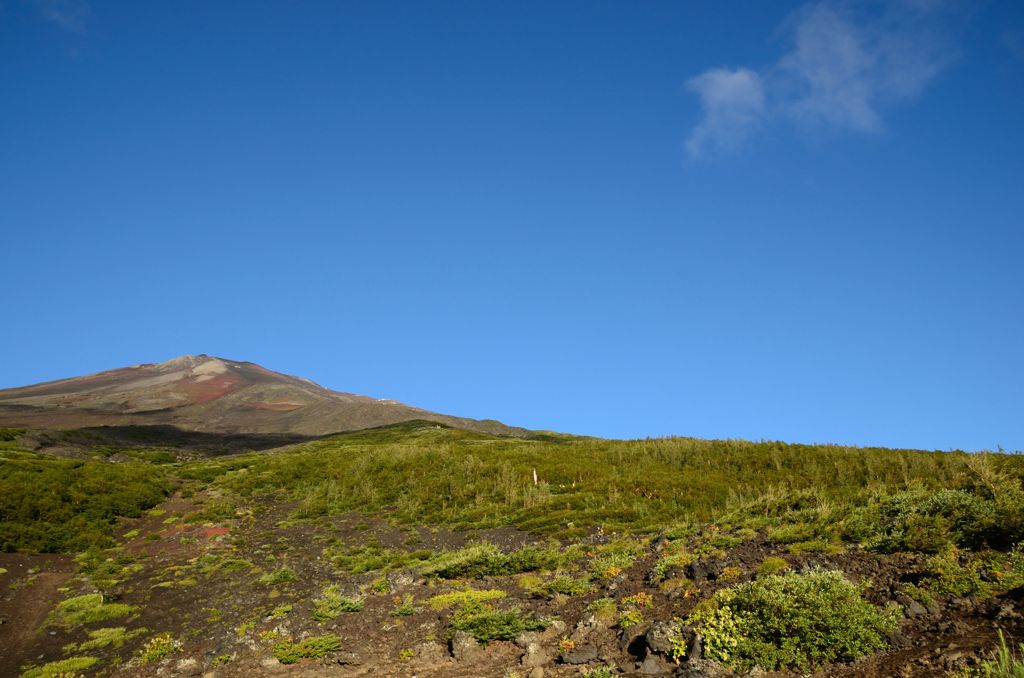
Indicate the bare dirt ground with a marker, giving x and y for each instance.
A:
(28, 591)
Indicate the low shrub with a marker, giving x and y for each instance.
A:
(332, 604)
(288, 652)
(100, 638)
(772, 565)
(404, 606)
(89, 608)
(465, 597)
(158, 647)
(281, 575)
(604, 609)
(791, 620)
(63, 667)
(486, 560)
(485, 623)
(568, 586)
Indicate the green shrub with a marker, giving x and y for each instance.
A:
(281, 575)
(374, 558)
(50, 505)
(791, 620)
(486, 560)
(945, 574)
(569, 586)
(100, 638)
(404, 607)
(772, 565)
(675, 556)
(332, 604)
(486, 623)
(630, 618)
(604, 609)
(612, 558)
(59, 668)
(288, 652)
(465, 597)
(89, 608)
(157, 648)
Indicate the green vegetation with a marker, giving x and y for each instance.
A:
(288, 652)
(445, 601)
(371, 557)
(332, 604)
(58, 669)
(404, 606)
(791, 620)
(486, 560)
(89, 608)
(107, 636)
(49, 505)
(567, 586)
(470, 481)
(772, 565)
(281, 575)
(604, 609)
(1006, 664)
(485, 623)
(157, 648)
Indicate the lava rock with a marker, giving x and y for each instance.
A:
(463, 646)
(584, 655)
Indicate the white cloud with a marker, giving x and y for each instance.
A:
(70, 15)
(733, 103)
(844, 69)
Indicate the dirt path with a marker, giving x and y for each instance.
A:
(28, 591)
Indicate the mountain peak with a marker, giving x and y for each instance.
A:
(211, 394)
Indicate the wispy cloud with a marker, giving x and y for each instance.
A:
(845, 67)
(733, 103)
(71, 15)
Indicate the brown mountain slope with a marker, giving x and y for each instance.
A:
(204, 393)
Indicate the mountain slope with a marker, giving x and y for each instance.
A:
(204, 393)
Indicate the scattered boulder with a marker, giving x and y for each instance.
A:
(911, 608)
(658, 638)
(584, 655)
(653, 666)
(702, 668)
(348, 659)
(695, 652)
(463, 646)
(704, 570)
(534, 654)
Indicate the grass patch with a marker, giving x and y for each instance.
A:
(108, 636)
(58, 669)
(332, 604)
(445, 601)
(88, 609)
(281, 575)
(289, 652)
(486, 560)
(158, 647)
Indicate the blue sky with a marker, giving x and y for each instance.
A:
(795, 221)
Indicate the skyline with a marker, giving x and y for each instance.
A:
(592, 218)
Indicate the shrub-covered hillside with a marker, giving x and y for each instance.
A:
(420, 548)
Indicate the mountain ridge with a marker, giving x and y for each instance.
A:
(211, 394)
